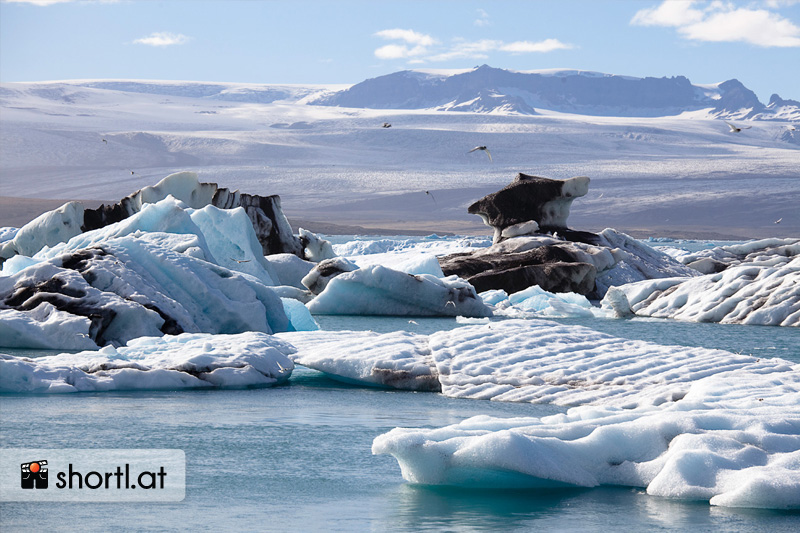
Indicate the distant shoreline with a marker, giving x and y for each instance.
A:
(16, 212)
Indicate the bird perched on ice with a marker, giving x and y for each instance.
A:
(387, 125)
(482, 148)
(736, 129)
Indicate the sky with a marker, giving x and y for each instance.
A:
(348, 41)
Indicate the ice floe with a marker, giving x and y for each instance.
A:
(749, 293)
(686, 423)
(377, 290)
(170, 362)
(762, 252)
(399, 360)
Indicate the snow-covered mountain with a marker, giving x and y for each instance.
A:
(661, 175)
(492, 90)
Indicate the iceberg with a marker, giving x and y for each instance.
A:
(266, 219)
(684, 423)
(186, 361)
(747, 293)
(129, 287)
(398, 360)
(376, 290)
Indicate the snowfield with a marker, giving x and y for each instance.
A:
(686, 174)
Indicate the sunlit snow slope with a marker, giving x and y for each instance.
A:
(684, 175)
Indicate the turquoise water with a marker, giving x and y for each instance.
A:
(297, 457)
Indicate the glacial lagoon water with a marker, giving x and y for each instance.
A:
(297, 457)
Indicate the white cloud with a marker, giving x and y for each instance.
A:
(409, 36)
(722, 22)
(522, 47)
(483, 18)
(420, 48)
(163, 38)
(416, 44)
(669, 13)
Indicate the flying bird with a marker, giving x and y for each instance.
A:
(429, 193)
(482, 148)
(736, 129)
(387, 125)
(779, 220)
(241, 260)
(105, 141)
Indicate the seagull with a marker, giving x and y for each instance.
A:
(387, 125)
(413, 322)
(736, 129)
(429, 193)
(482, 148)
(779, 220)
(105, 141)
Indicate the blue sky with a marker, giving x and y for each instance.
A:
(347, 41)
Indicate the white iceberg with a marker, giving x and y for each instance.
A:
(377, 290)
(155, 363)
(744, 294)
(762, 252)
(687, 423)
(129, 287)
(398, 360)
(537, 302)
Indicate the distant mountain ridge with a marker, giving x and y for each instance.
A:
(480, 90)
(492, 90)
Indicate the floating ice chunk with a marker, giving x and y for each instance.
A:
(537, 302)
(299, 317)
(470, 320)
(44, 327)
(763, 252)
(47, 229)
(233, 241)
(746, 294)
(546, 362)
(289, 269)
(167, 217)
(377, 290)
(8, 233)
(410, 246)
(733, 439)
(315, 248)
(153, 363)
(317, 279)
(398, 360)
(635, 261)
(130, 287)
(410, 263)
(15, 264)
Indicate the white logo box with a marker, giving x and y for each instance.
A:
(92, 475)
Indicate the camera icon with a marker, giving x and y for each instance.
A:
(33, 475)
